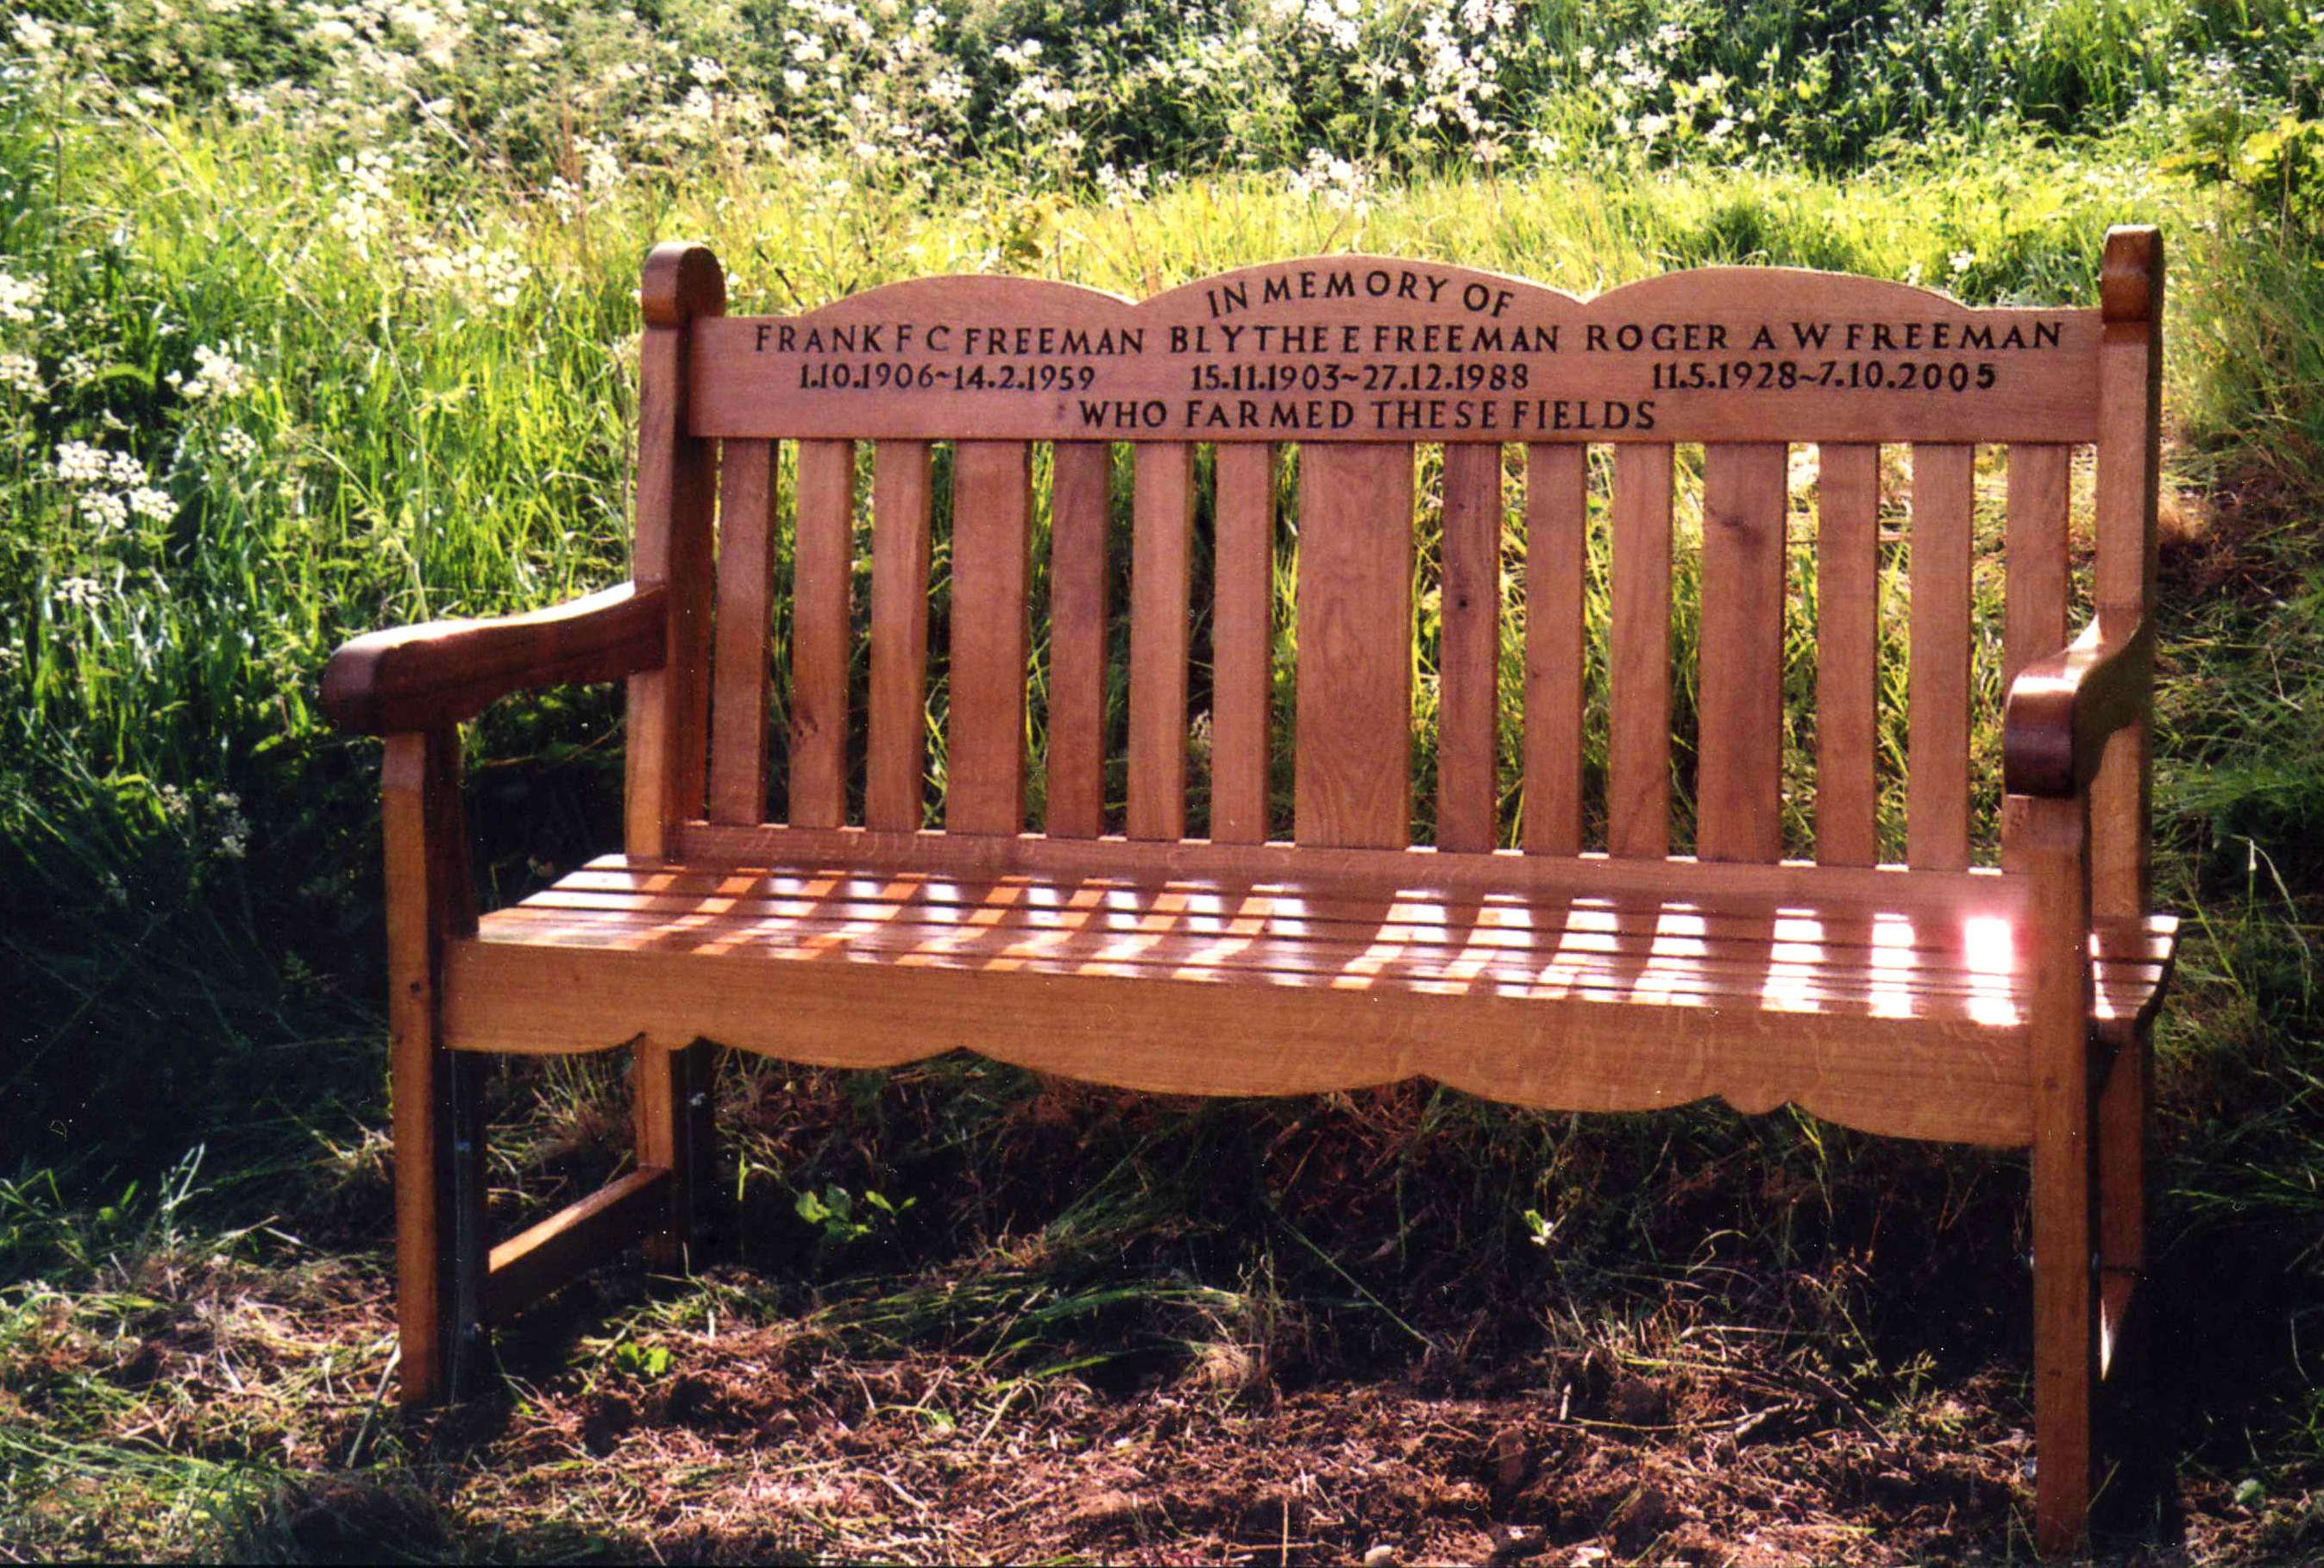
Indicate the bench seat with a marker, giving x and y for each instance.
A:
(1901, 1014)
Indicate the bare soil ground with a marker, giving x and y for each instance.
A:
(1175, 1383)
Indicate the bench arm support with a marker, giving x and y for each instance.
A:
(2061, 709)
(442, 672)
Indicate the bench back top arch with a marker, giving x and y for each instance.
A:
(759, 436)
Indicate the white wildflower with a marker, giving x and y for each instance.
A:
(123, 469)
(20, 296)
(1962, 261)
(79, 464)
(155, 505)
(35, 36)
(103, 508)
(21, 372)
(217, 375)
(80, 593)
(236, 446)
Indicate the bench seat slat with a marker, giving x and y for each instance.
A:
(1933, 963)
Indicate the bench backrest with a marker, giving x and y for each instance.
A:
(1359, 364)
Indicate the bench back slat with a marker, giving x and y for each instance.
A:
(1847, 654)
(746, 593)
(823, 554)
(1161, 564)
(1738, 795)
(1080, 490)
(902, 482)
(1468, 665)
(1353, 750)
(1557, 571)
(1936, 788)
(1638, 657)
(2038, 503)
(1242, 641)
(992, 561)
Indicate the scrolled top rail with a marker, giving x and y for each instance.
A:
(1376, 348)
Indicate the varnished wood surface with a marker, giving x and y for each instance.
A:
(578, 1237)
(1360, 349)
(1469, 663)
(556, 979)
(1638, 658)
(1936, 781)
(1160, 580)
(992, 564)
(1848, 653)
(1242, 643)
(1557, 564)
(746, 587)
(901, 479)
(1739, 785)
(1352, 762)
(442, 672)
(822, 610)
(1080, 491)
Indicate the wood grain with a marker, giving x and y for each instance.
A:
(901, 495)
(546, 1256)
(992, 563)
(746, 593)
(443, 672)
(1915, 1077)
(1382, 349)
(669, 705)
(433, 1103)
(1080, 506)
(823, 612)
(1739, 792)
(2129, 481)
(1637, 748)
(2050, 838)
(1469, 660)
(1353, 784)
(1161, 562)
(1847, 655)
(1242, 643)
(1557, 566)
(1936, 784)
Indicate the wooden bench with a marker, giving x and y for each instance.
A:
(904, 908)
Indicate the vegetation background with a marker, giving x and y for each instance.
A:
(316, 318)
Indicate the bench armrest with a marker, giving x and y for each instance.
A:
(438, 673)
(2061, 709)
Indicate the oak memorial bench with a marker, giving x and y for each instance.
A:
(900, 909)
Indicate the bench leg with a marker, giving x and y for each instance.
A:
(2052, 837)
(2122, 1133)
(670, 1093)
(437, 1125)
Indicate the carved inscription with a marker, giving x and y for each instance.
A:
(1354, 348)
